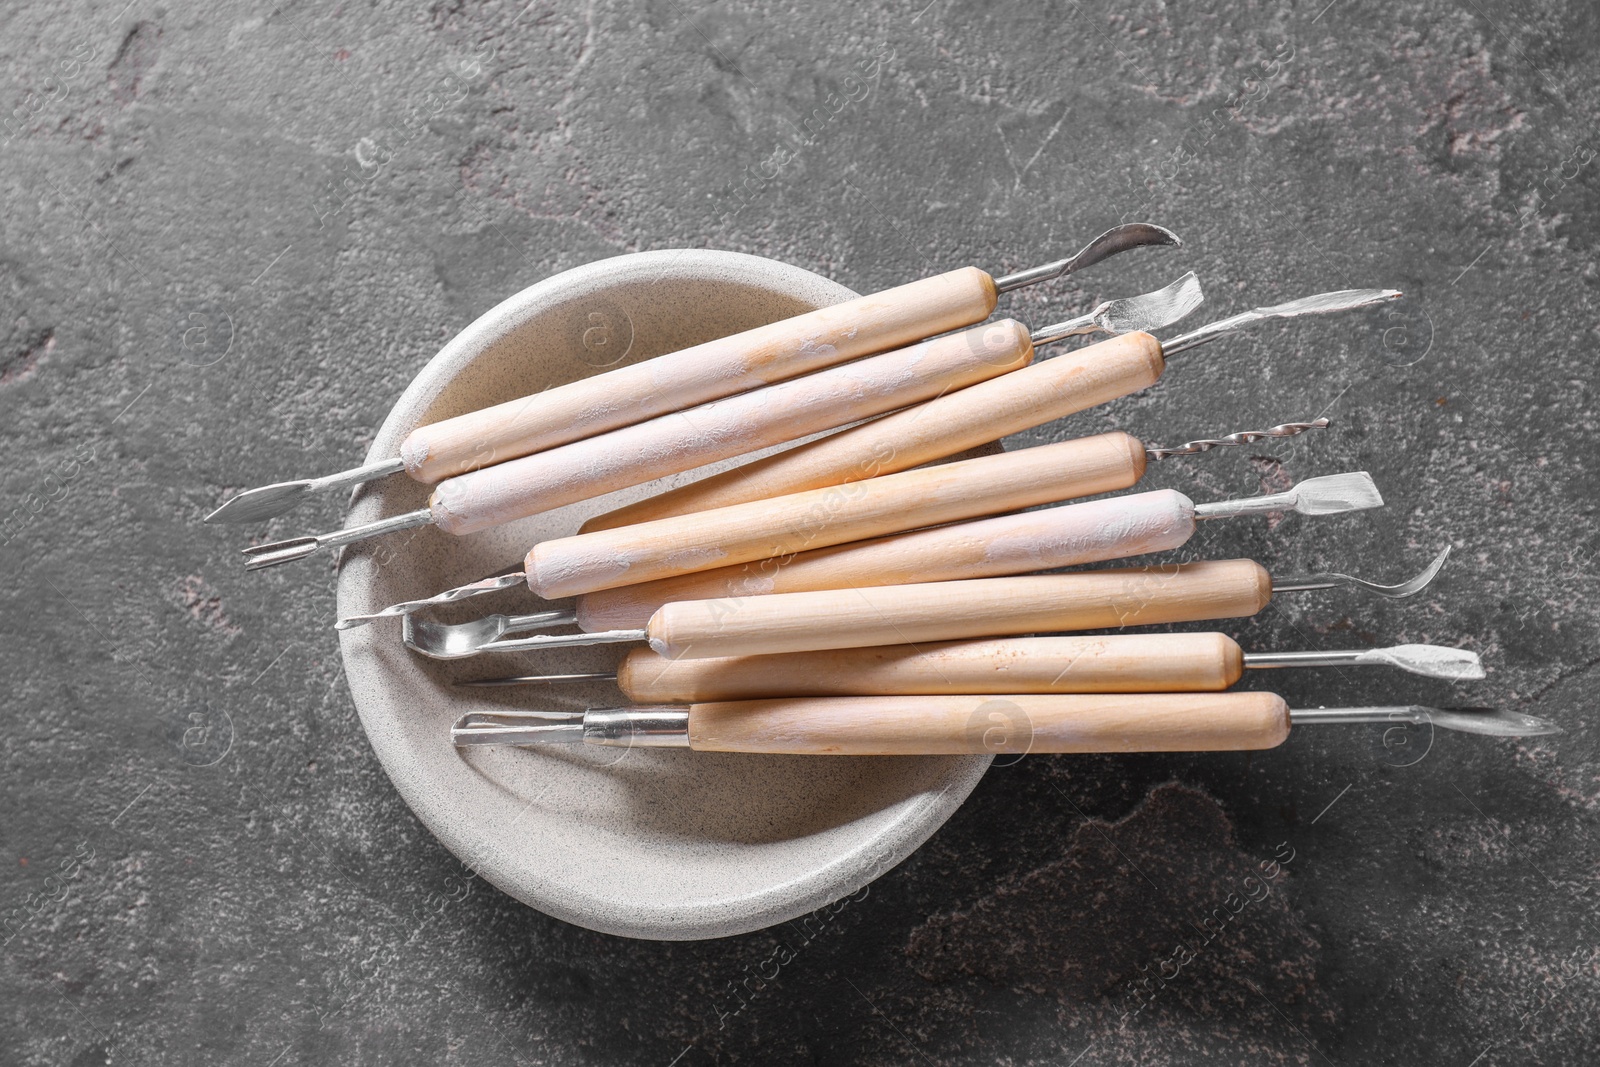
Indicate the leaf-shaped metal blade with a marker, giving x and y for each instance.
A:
(1431, 661)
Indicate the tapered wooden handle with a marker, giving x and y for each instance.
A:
(947, 611)
(950, 725)
(760, 529)
(1050, 389)
(732, 426)
(1120, 663)
(1010, 544)
(719, 368)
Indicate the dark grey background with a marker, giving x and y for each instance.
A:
(232, 233)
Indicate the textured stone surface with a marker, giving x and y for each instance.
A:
(233, 233)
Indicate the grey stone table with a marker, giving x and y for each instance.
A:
(233, 232)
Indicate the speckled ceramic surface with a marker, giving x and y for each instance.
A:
(655, 844)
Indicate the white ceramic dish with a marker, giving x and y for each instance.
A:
(643, 843)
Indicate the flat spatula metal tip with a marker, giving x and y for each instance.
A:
(1333, 494)
(259, 557)
(263, 503)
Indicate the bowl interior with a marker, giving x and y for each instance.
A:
(663, 844)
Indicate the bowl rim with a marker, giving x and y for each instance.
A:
(845, 873)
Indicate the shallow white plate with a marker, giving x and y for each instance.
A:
(644, 843)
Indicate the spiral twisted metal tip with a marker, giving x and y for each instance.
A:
(449, 596)
(1245, 437)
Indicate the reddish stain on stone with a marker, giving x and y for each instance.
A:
(203, 603)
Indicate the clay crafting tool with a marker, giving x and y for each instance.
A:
(1116, 663)
(949, 611)
(956, 422)
(1044, 540)
(707, 371)
(975, 724)
(832, 515)
(740, 424)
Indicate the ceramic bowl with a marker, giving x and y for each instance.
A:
(665, 844)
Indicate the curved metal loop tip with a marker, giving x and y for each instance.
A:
(449, 596)
(1145, 312)
(1410, 587)
(1113, 241)
(453, 640)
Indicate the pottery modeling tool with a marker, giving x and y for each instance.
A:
(760, 529)
(1043, 540)
(677, 380)
(975, 724)
(956, 422)
(1117, 663)
(740, 424)
(950, 611)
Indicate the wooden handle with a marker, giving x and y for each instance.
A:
(732, 426)
(1050, 389)
(695, 375)
(950, 725)
(946, 611)
(1011, 544)
(604, 559)
(1123, 663)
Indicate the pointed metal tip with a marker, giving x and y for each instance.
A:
(1490, 722)
(259, 557)
(262, 503)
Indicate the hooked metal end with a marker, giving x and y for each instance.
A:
(1115, 240)
(1330, 579)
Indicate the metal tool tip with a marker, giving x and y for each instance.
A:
(1430, 661)
(1491, 722)
(258, 557)
(517, 728)
(262, 503)
(1335, 494)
